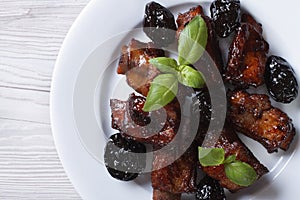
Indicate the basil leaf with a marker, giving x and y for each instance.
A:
(190, 77)
(230, 159)
(192, 41)
(240, 173)
(163, 90)
(211, 156)
(164, 64)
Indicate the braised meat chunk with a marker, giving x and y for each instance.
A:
(254, 116)
(178, 177)
(184, 18)
(212, 46)
(157, 127)
(134, 63)
(247, 55)
(230, 142)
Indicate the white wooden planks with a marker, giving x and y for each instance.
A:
(31, 34)
(29, 165)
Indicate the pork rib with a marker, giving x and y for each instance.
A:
(178, 177)
(247, 55)
(134, 63)
(254, 116)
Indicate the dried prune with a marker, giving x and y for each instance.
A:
(226, 15)
(202, 108)
(124, 159)
(203, 101)
(136, 104)
(209, 189)
(280, 80)
(159, 24)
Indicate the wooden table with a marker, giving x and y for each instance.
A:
(31, 34)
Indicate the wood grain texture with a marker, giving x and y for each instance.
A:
(31, 34)
(29, 165)
(24, 105)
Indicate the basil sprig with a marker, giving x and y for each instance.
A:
(238, 172)
(164, 87)
(192, 43)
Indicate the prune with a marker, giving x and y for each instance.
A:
(226, 15)
(124, 159)
(136, 104)
(202, 108)
(202, 99)
(280, 80)
(159, 24)
(209, 189)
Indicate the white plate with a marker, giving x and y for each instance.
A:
(82, 86)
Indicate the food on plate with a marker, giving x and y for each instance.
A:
(178, 177)
(247, 55)
(281, 80)
(159, 24)
(209, 188)
(119, 159)
(212, 46)
(254, 116)
(155, 117)
(226, 16)
(158, 127)
(164, 87)
(229, 141)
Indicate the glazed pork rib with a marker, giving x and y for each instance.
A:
(134, 63)
(247, 55)
(254, 116)
(157, 127)
(232, 145)
(212, 46)
(178, 177)
(184, 18)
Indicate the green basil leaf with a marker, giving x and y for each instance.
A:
(192, 41)
(163, 90)
(211, 156)
(240, 173)
(230, 159)
(164, 64)
(190, 77)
